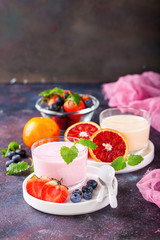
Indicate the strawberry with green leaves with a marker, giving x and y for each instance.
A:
(74, 103)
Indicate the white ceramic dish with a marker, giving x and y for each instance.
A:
(69, 208)
(148, 156)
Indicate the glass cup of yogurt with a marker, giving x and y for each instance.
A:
(133, 123)
(48, 162)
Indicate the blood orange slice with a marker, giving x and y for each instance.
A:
(82, 130)
(111, 144)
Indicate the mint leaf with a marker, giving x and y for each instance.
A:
(69, 154)
(17, 168)
(75, 98)
(58, 90)
(45, 93)
(13, 146)
(119, 163)
(4, 152)
(88, 143)
(134, 159)
(48, 92)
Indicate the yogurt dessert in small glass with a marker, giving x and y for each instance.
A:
(133, 123)
(48, 161)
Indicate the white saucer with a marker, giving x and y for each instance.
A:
(148, 156)
(69, 208)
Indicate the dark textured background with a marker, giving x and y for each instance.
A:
(77, 40)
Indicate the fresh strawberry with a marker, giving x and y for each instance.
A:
(84, 98)
(66, 93)
(72, 106)
(53, 191)
(34, 185)
(52, 100)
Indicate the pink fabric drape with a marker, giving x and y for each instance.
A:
(149, 186)
(139, 91)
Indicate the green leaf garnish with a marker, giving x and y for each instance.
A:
(69, 154)
(88, 143)
(4, 152)
(134, 159)
(15, 168)
(119, 163)
(11, 147)
(75, 98)
(49, 92)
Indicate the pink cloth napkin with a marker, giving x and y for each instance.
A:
(149, 186)
(139, 91)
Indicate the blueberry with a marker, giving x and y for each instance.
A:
(77, 191)
(16, 158)
(75, 197)
(87, 189)
(21, 152)
(92, 183)
(59, 101)
(88, 103)
(87, 195)
(53, 107)
(9, 162)
(66, 95)
(11, 154)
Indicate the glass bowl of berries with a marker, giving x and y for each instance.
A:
(66, 107)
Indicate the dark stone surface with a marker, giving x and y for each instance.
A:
(134, 219)
(72, 40)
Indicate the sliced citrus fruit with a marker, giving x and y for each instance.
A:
(110, 145)
(82, 130)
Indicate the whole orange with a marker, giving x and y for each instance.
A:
(38, 128)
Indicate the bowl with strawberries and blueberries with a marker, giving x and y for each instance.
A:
(66, 107)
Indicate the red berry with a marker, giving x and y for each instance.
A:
(34, 185)
(53, 191)
(52, 100)
(70, 106)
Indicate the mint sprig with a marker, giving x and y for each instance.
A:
(134, 159)
(11, 147)
(120, 163)
(15, 168)
(47, 93)
(69, 154)
(88, 143)
(19, 167)
(75, 98)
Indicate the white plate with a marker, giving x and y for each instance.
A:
(69, 208)
(148, 156)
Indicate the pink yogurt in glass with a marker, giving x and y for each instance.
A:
(48, 162)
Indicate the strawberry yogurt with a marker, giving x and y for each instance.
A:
(48, 162)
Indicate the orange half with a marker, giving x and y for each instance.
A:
(82, 130)
(110, 145)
